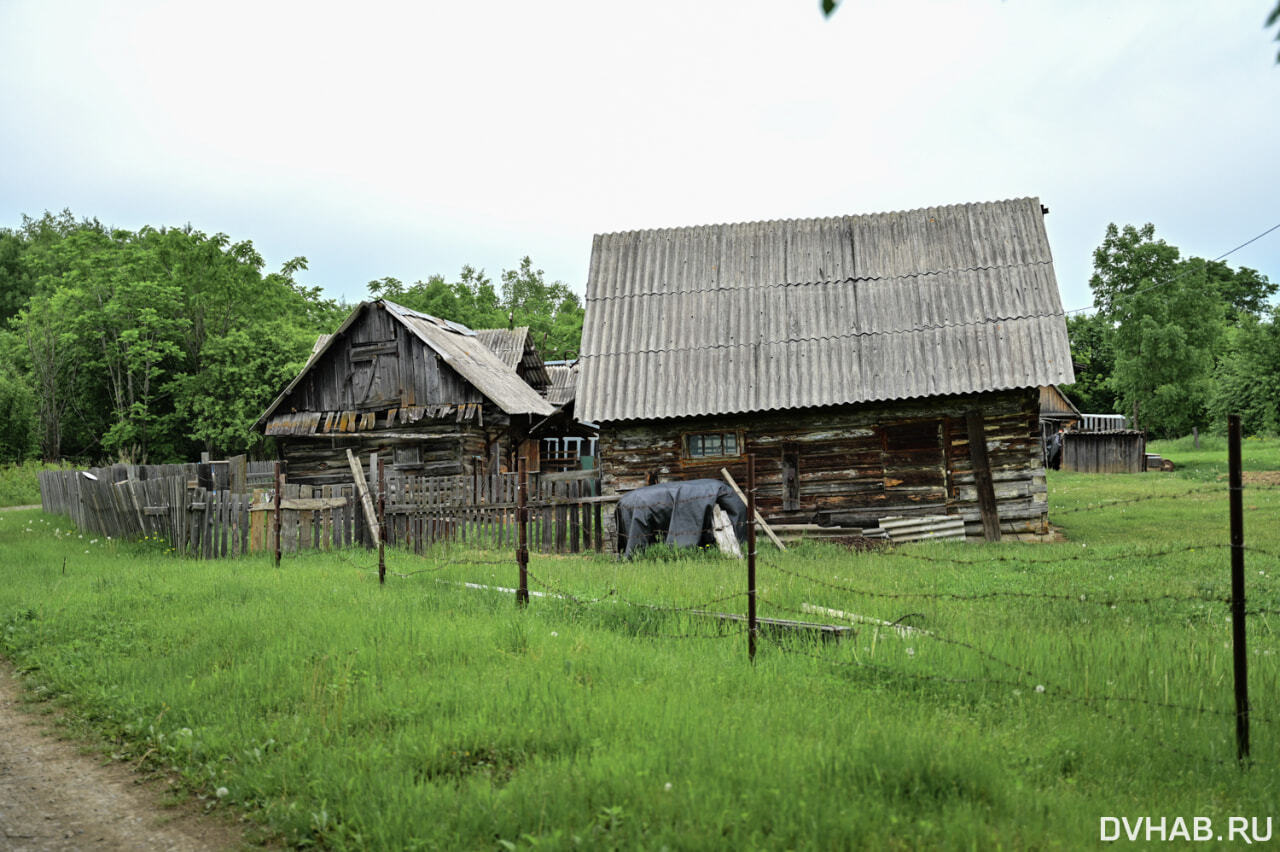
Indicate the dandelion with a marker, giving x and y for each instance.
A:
(1039, 687)
(666, 786)
(221, 792)
(553, 633)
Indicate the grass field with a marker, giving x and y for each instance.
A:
(1057, 684)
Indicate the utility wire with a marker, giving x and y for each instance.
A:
(1184, 272)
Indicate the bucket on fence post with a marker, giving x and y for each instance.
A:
(522, 524)
(1235, 497)
(752, 627)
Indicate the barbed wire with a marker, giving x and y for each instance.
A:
(1103, 600)
(1040, 687)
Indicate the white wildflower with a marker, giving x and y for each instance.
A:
(553, 633)
(221, 792)
(911, 652)
(666, 786)
(1039, 687)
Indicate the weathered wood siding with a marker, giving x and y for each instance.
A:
(855, 464)
(378, 388)
(378, 364)
(1104, 452)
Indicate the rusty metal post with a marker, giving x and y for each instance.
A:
(279, 486)
(522, 525)
(1235, 482)
(752, 626)
(382, 522)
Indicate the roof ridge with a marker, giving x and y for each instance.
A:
(838, 216)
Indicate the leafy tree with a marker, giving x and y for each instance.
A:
(1093, 351)
(1247, 378)
(17, 404)
(1168, 316)
(552, 311)
(125, 336)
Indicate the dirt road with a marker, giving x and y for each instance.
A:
(53, 797)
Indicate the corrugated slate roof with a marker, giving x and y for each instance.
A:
(461, 349)
(797, 313)
(515, 348)
(564, 380)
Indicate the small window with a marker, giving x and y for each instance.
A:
(701, 445)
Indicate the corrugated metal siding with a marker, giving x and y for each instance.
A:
(799, 313)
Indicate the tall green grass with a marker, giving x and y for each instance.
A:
(18, 483)
(425, 714)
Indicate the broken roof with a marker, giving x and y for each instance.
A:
(797, 313)
(457, 346)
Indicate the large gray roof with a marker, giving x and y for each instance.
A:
(809, 312)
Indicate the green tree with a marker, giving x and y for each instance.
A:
(1093, 352)
(552, 311)
(1168, 317)
(1247, 378)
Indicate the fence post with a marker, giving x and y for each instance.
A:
(1237, 587)
(522, 526)
(982, 475)
(382, 522)
(279, 487)
(752, 627)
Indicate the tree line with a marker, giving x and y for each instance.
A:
(1176, 342)
(157, 344)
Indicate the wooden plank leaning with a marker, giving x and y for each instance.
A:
(728, 477)
(366, 500)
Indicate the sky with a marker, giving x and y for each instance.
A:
(407, 139)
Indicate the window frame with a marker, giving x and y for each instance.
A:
(686, 445)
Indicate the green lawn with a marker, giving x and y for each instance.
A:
(424, 714)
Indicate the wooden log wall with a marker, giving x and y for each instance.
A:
(852, 465)
(432, 449)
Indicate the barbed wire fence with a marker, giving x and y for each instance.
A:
(736, 614)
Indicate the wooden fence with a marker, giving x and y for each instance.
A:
(565, 513)
(168, 502)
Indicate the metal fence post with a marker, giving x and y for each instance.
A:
(752, 627)
(279, 486)
(1237, 587)
(382, 521)
(522, 525)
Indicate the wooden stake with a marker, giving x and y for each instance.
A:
(982, 475)
(728, 477)
(362, 488)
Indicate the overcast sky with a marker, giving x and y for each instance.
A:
(389, 139)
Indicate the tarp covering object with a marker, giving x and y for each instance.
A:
(676, 513)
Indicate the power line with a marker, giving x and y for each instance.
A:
(1185, 272)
